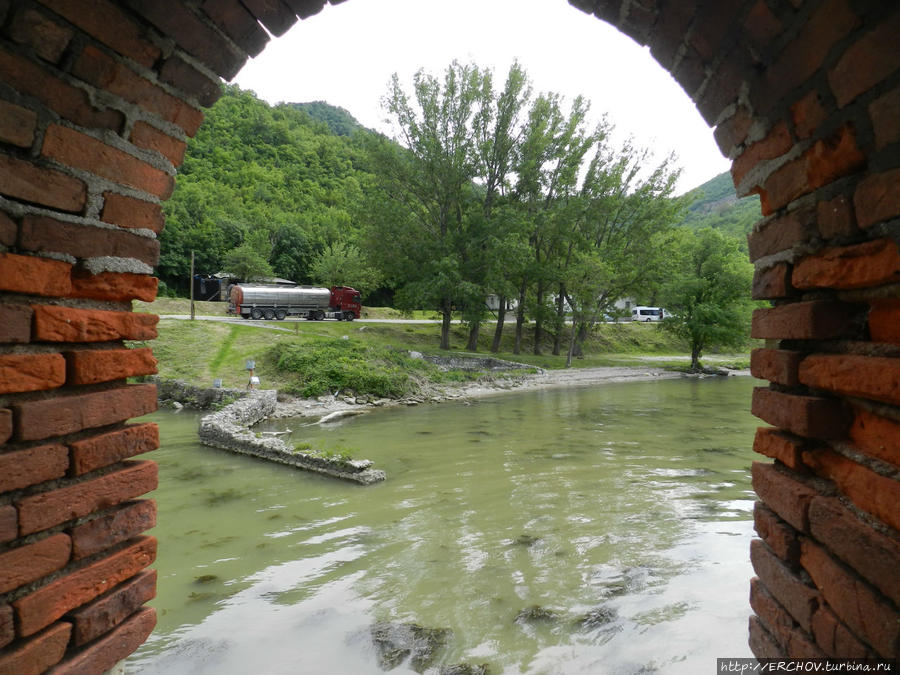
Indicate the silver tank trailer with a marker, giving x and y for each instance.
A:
(306, 297)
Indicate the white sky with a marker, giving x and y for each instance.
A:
(345, 55)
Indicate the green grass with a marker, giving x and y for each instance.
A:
(313, 357)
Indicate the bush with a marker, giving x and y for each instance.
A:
(330, 366)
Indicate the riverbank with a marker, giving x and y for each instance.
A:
(331, 408)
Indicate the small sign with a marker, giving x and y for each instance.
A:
(217, 383)
(250, 365)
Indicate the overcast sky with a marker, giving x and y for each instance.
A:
(345, 55)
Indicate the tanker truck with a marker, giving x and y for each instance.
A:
(262, 301)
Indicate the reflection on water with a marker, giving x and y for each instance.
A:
(591, 530)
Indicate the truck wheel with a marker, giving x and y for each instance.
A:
(256, 313)
(348, 316)
(320, 315)
(280, 314)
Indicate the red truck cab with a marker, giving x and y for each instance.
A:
(345, 299)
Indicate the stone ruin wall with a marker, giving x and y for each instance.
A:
(97, 101)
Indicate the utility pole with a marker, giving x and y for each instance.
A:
(192, 285)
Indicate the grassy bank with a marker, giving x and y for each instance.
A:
(310, 358)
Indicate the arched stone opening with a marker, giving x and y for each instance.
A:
(97, 99)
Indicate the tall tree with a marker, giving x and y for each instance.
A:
(707, 296)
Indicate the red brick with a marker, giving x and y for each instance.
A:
(15, 323)
(81, 151)
(106, 652)
(193, 35)
(68, 101)
(133, 213)
(761, 27)
(22, 468)
(835, 218)
(277, 18)
(184, 76)
(31, 372)
(106, 22)
(870, 491)
(9, 523)
(54, 323)
(761, 642)
(48, 38)
(25, 564)
(40, 511)
(807, 416)
(773, 282)
(808, 114)
(17, 125)
(853, 601)
(871, 553)
(6, 425)
(885, 116)
(775, 144)
(787, 497)
(95, 452)
(870, 377)
(108, 611)
(804, 55)
(813, 320)
(860, 266)
(781, 446)
(876, 436)
(121, 287)
(150, 138)
(733, 131)
(35, 276)
(106, 531)
(867, 62)
(48, 187)
(50, 602)
(98, 69)
(781, 537)
(884, 320)
(42, 234)
(239, 24)
(90, 366)
(835, 638)
(877, 198)
(776, 365)
(35, 656)
(7, 628)
(797, 598)
(60, 415)
(773, 615)
(826, 161)
(9, 230)
(781, 234)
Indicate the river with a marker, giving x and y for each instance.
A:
(596, 529)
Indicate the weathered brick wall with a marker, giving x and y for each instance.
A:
(97, 100)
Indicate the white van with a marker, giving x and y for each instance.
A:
(647, 313)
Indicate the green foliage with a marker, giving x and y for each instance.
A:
(329, 366)
(339, 121)
(247, 264)
(343, 264)
(256, 174)
(708, 296)
(715, 205)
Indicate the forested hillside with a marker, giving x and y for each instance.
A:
(263, 181)
(716, 205)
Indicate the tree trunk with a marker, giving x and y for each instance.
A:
(560, 320)
(578, 340)
(472, 344)
(447, 314)
(520, 320)
(571, 352)
(538, 319)
(498, 331)
(695, 357)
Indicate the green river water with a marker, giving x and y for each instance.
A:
(628, 504)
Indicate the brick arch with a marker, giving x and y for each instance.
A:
(97, 100)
